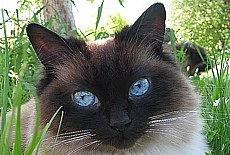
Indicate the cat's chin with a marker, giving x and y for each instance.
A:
(121, 144)
(121, 140)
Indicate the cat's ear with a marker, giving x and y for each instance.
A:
(148, 29)
(51, 48)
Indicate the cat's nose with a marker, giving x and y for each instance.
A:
(119, 121)
(119, 116)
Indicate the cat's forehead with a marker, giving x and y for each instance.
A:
(109, 62)
(101, 47)
(103, 52)
(100, 42)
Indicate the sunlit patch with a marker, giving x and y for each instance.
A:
(188, 68)
(219, 101)
(13, 74)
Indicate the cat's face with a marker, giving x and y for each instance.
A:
(117, 93)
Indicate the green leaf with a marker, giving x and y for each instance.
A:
(91, 1)
(121, 2)
(73, 2)
(99, 12)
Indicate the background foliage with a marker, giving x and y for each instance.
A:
(206, 22)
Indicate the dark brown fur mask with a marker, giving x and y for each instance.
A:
(114, 88)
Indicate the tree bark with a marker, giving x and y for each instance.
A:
(60, 13)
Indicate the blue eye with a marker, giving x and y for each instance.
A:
(84, 98)
(139, 88)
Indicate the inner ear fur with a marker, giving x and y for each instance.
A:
(51, 48)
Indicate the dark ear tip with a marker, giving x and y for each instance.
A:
(31, 27)
(158, 4)
(159, 8)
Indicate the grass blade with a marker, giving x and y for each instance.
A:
(6, 77)
(99, 12)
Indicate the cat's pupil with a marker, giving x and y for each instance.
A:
(138, 85)
(82, 97)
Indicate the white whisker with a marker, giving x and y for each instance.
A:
(166, 120)
(170, 113)
(164, 133)
(74, 138)
(83, 147)
(169, 124)
(69, 134)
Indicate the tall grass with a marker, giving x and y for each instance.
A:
(18, 65)
(18, 74)
(216, 103)
(214, 87)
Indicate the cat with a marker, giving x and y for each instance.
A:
(120, 95)
(193, 59)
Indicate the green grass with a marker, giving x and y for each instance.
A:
(216, 104)
(18, 75)
(216, 108)
(214, 87)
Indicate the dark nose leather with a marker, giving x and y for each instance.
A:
(119, 116)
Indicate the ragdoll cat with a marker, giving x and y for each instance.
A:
(120, 95)
(193, 59)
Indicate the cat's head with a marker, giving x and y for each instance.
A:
(117, 92)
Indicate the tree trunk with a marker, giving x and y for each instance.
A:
(60, 13)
